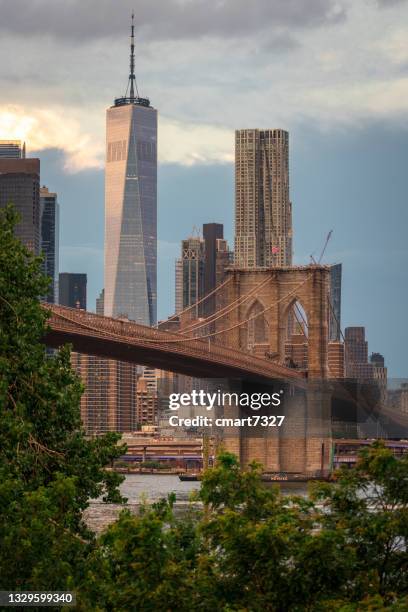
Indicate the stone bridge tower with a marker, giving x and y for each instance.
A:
(265, 299)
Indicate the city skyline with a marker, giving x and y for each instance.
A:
(340, 176)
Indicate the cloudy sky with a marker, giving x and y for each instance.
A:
(332, 72)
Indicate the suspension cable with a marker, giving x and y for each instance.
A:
(229, 308)
(199, 338)
(205, 297)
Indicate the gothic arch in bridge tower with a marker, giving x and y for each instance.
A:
(278, 290)
(256, 330)
(296, 345)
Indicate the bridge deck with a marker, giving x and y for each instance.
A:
(101, 336)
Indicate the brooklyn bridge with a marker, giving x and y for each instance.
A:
(244, 338)
(253, 315)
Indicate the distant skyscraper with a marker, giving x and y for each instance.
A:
(190, 271)
(356, 354)
(218, 257)
(263, 211)
(380, 374)
(20, 185)
(335, 303)
(49, 212)
(12, 149)
(100, 303)
(179, 285)
(131, 206)
(211, 233)
(72, 290)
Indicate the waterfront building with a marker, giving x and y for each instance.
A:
(146, 404)
(131, 206)
(49, 213)
(72, 290)
(263, 211)
(20, 185)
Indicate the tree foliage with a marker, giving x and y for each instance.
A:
(243, 547)
(48, 470)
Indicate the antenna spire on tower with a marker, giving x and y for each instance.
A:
(132, 77)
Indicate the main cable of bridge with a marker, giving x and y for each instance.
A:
(200, 301)
(226, 309)
(191, 338)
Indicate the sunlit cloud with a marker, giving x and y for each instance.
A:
(189, 144)
(45, 129)
(83, 143)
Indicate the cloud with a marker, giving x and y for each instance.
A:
(189, 144)
(83, 143)
(45, 129)
(165, 19)
(390, 3)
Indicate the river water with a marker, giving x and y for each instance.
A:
(138, 488)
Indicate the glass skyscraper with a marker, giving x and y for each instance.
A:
(49, 213)
(131, 207)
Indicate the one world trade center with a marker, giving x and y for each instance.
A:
(131, 206)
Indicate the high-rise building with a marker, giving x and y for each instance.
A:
(211, 233)
(49, 212)
(100, 303)
(72, 290)
(146, 404)
(335, 359)
(224, 258)
(179, 286)
(335, 303)
(380, 375)
(263, 211)
(131, 206)
(190, 273)
(356, 354)
(20, 185)
(218, 258)
(109, 400)
(12, 149)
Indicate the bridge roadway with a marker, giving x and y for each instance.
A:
(124, 340)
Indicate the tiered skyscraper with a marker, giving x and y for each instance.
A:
(263, 211)
(131, 206)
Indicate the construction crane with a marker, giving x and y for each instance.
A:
(323, 250)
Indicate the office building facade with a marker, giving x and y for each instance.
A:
(20, 185)
(356, 354)
(335, 303)
(263, 211)
(190, 274)
(50, 217)
(218, 258)
(72, 290)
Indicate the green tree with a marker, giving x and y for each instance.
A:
(48, 469)
(249, 548)
(253, 549)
